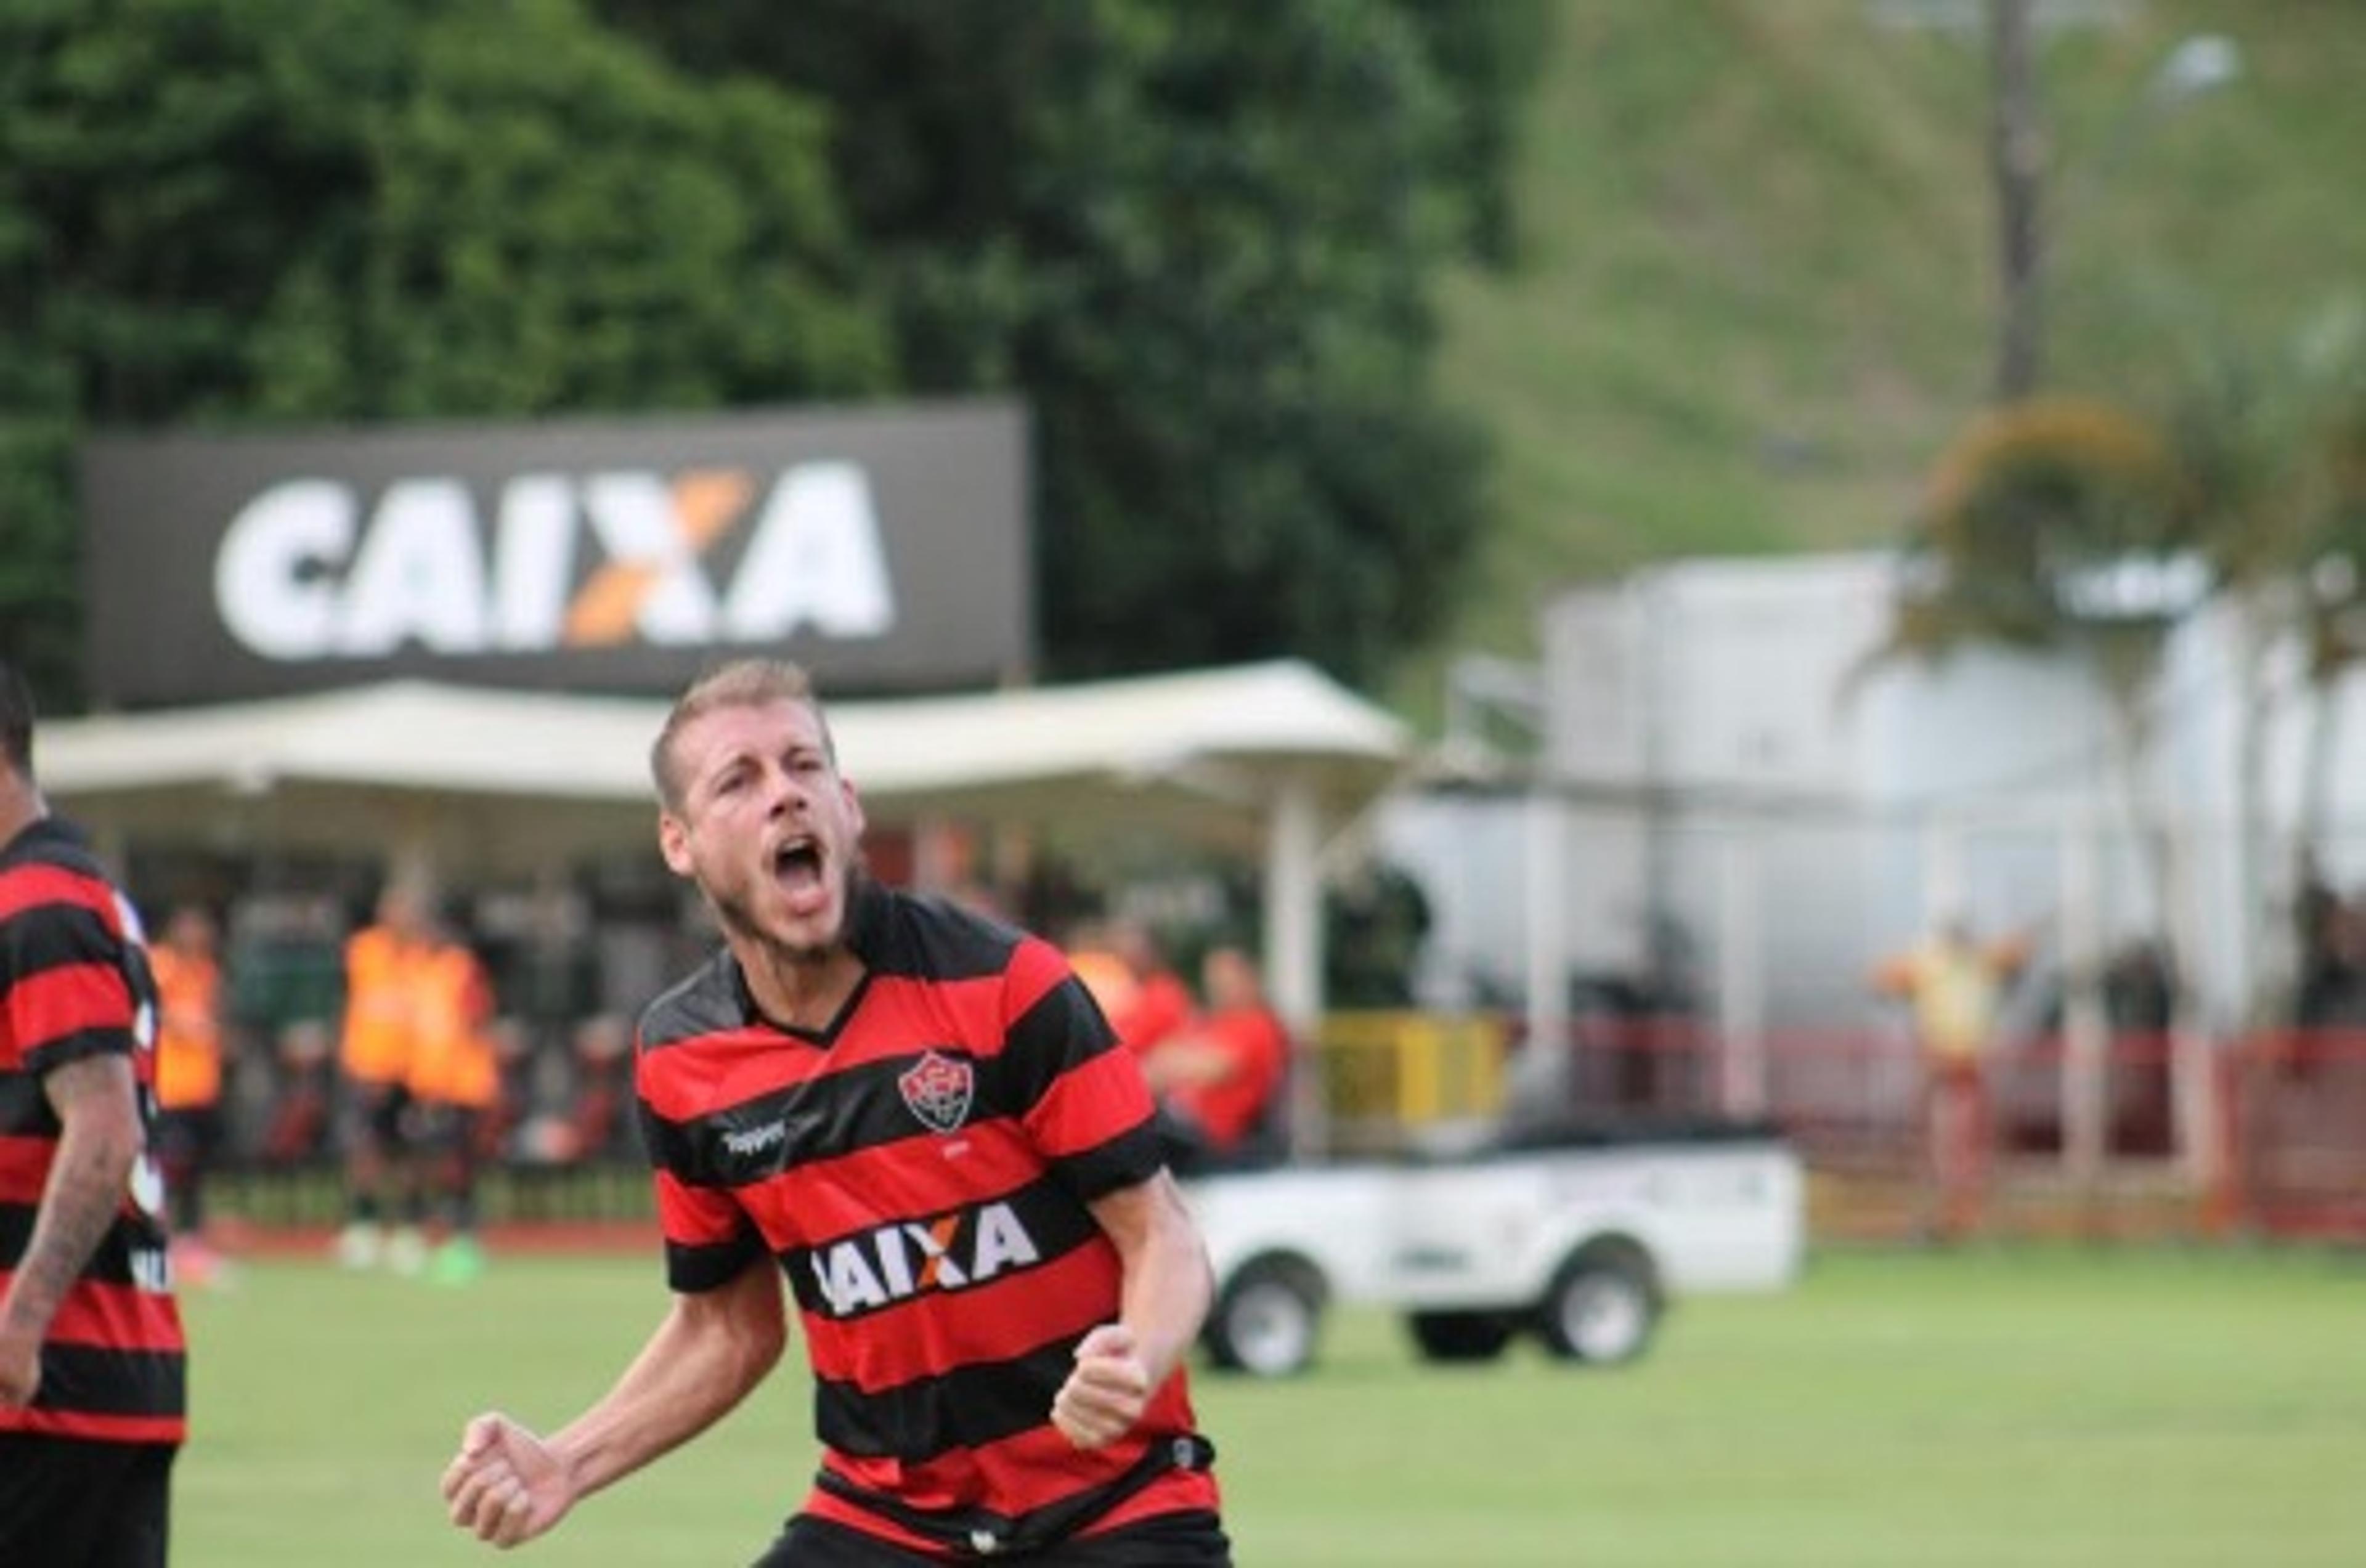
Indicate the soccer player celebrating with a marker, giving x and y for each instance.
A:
(91, 1352)
(917, 1118)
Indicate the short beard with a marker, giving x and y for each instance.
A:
(733, 914)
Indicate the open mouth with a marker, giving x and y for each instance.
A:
(797, 864)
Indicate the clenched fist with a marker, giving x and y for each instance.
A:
(505, 1484)
(1105, 1394)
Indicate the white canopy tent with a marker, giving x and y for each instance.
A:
(1265, 758)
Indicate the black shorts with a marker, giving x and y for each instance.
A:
(376, 1114)
(440, 1127)
(65, 1500)
(189, 1135)
(1170, 1540)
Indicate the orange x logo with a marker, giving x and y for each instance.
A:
(705, 503)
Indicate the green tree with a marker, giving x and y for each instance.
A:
(222, 211)
(2273, 438)
(2323, 531)
(2070, 526)
(1200, 240)
(2067, 526)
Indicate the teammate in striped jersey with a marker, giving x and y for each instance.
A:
(91, 1354)
(914, 1119)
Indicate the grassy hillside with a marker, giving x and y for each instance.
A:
(1756, 288)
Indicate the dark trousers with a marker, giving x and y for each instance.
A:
(1171, 1540)
(68, 1502)
(185, 1140)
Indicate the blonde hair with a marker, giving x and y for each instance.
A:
(743, 683)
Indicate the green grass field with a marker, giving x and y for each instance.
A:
(2043, 1408)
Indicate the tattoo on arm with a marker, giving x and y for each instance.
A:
(96, 1101)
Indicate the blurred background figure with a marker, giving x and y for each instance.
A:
(302, 1113)
(590, 1119)
(1220, 1082)
(385, 964)
(600, 1113)
(190, 1042)
(1157, 1003)
(454, 1083)
(1955, 985)
(1092, 954)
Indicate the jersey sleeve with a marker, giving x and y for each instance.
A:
(709, 1239)
(1084, 1103)
(63, 985)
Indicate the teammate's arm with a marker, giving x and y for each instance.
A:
(1168, 1289)
(97, 1105)
(1198, 1061)
(508, 1484)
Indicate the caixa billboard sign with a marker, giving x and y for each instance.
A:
(307, 570)
(886, 550)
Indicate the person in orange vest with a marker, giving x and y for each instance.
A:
(191, 1040)
(454, 1082)
(384, 965)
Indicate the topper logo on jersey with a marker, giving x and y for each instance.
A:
(303, 573)
(756, 1140)
(896, 1262)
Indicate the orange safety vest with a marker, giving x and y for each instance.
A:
(381, 1006)
(454, 1063)
(189, 1030)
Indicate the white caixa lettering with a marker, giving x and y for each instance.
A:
(1002, 1242)
(896, 1262)
(152, 1270)
(417, 576)
(815, 560)
(305, 570)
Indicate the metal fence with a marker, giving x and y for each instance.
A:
(2285, 1130)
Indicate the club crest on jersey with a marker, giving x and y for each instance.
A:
(938, 1088)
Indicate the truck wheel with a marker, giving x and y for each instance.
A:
(1460, 1336)
(1601, 1308)
(1264, 1323)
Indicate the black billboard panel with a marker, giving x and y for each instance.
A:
(887, 550)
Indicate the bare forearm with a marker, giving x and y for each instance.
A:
(1168, 1289)
(693, 1373)
(86, 1184)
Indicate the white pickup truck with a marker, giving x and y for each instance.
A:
(1581, 1234)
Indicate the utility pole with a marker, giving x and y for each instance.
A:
(2017, 161)
(2028, 213)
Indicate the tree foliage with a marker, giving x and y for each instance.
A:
(2068, 524)
(2057, 522)
(2080, 526)
(1201, 241)
(222, 211)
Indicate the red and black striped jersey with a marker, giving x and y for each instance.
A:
(74, 983)
(922, 1170)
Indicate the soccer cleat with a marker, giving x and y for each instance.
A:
(458, 1262)
(360, 1246)
(406, 1251)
